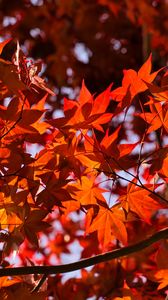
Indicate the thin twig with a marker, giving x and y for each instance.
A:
(39, 284)
(112, 172)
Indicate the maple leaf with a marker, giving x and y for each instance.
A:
(134, 83)
(88, 190)
(32, 222)
(86, 112)
(107, 155)
(43, 158)
(55, 192)
(10, 154)
(139, 201)
(95, 155)
(8, 213)
(159, 162)
(28, 72)
(159, 94)
(109, 224)
(66, 152)
(9, 78)
(15, 121)
(157, 118)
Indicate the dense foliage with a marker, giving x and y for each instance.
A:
(86, 185)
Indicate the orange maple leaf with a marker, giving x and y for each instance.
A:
(86, 112)
(88, 191)
(139, 201)
(109, 224)
(107, 155)
(17, 120)
(157, 118)
(134, 83)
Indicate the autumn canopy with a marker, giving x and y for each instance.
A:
(83, 163)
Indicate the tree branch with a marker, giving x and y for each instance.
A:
(65, 268)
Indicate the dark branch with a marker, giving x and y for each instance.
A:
(65, 268)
